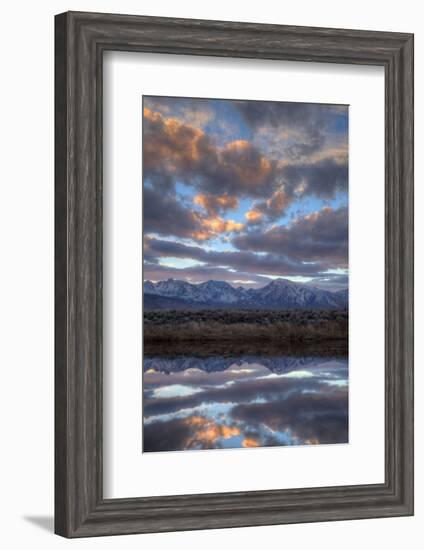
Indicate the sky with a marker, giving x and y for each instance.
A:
(245, 191)
(254, 402)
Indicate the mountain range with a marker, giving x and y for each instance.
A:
(277, 364)
(278, 294)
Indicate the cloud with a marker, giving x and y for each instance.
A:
(259, 407)
(249, 262)
(253, 216)
(323, 178)
(332, 282)
(321, 418)
(185, 152)
(163, 214)
(174, 150)
(318, 237)
(196, 112)
(207, 433)
(194, 176)
(199, 273)
(294, 130)
(195, 432)
(311, 246)
(250, 442)
(272, 208)
(261, 385)
(216, 203)
(167, 438)
(169, 145)
(213, 227)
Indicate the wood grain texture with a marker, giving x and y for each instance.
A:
(81, 39)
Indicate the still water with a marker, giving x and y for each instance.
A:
(216, 402)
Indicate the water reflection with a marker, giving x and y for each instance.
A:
(211, 402)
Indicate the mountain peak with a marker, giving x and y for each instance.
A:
(218, 284)
(279, 293)
(280, 282)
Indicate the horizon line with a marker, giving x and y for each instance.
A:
(243, 285)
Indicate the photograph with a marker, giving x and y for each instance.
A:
(245, 273)
(209, 256)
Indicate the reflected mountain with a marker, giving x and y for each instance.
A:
(278, 364)
(249, 400)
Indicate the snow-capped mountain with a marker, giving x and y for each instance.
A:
(277, 364)
(279, 293)
(210, 291)
(343, 295)
(288, 295)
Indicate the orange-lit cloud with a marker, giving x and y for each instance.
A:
(250, 442)
(246, 163)
(174, 148)
(215, 226)
(170, 143)
(208, 432)
(214, 203)
(317, 237)
(253, 216)
(238, 144)
(273, 207)
(195, 174)
(315, 216)
(278, 201)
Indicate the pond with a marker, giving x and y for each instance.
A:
(215, 401)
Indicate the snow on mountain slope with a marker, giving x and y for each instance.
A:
(279, 293)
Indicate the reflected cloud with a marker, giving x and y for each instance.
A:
(208, 433)
(243, 402)
(176, 390)
(250, 442)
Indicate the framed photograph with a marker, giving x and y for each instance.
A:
(234, 274)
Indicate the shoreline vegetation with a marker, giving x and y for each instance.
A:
(279, 327)
(257, 348)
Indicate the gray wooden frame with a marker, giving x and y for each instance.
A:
(80, 40)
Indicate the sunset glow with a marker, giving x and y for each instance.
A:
(262, 186)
